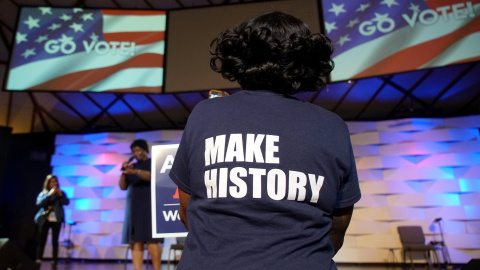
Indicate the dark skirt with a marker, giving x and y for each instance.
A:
(138, 212)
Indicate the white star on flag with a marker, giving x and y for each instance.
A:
(45, 10)
(414, 8)
(380, 17)
(41, 38)
(76, 27)
(94, 37)
(330, 26)
(87, 16)
(352, 23)
(20, 37)
(389, 3)
(363, 7)
(28, 52)
(65, 17)
(65, 38)
(75, 10)
(343, 40)
(337, 9)
(54, 26)
(31, 22)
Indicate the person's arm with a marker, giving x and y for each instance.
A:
(42, 199)
(340, 221)
(123, 179)
(57, 194)
(142, 174)
(63, 198)
(184, 198)
(123, 182)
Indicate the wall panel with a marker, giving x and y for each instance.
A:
(418, 170)
(88, 168)
(411, 172)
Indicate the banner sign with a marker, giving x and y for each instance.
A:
(165, 201)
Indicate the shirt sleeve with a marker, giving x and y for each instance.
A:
(42, 199)
(349, 192)
(180, 171)
(147, 166)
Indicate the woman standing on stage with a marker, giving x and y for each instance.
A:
(51, 215)
(137, 229)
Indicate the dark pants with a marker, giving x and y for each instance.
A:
(42, 239)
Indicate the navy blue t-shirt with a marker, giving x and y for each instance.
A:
(265, 173)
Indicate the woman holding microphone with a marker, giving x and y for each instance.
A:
(50, 215)
(137, 228)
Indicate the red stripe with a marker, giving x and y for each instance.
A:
(139, 38)
(143, 89)
(133, 12)
(82, 79)
(466, 60)
(413, 57)
(441, 3)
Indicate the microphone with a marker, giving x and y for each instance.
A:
(52, 189)
(437, 220)
(129, 160)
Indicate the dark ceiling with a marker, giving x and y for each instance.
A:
(441, 92)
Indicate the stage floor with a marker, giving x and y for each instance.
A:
(79, 265)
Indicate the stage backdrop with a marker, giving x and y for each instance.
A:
(411, 172)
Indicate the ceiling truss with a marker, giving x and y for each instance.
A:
(63, 113)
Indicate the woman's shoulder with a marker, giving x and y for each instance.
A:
(144, 164)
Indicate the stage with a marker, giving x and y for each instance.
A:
(111, 265)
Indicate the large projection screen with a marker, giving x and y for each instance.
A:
(191, 31)
(93, 50)
(375, 38)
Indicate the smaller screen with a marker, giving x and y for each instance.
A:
(95, 50)
(375, 38)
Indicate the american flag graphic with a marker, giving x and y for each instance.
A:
(389, 36)
(75, 49)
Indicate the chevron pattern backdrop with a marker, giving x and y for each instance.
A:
(411, 172)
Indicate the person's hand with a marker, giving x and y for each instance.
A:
(58, 191)
(55, 190)
(128, 169)
(125, 165)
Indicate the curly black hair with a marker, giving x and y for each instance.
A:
(275, 52)
(140, 143)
